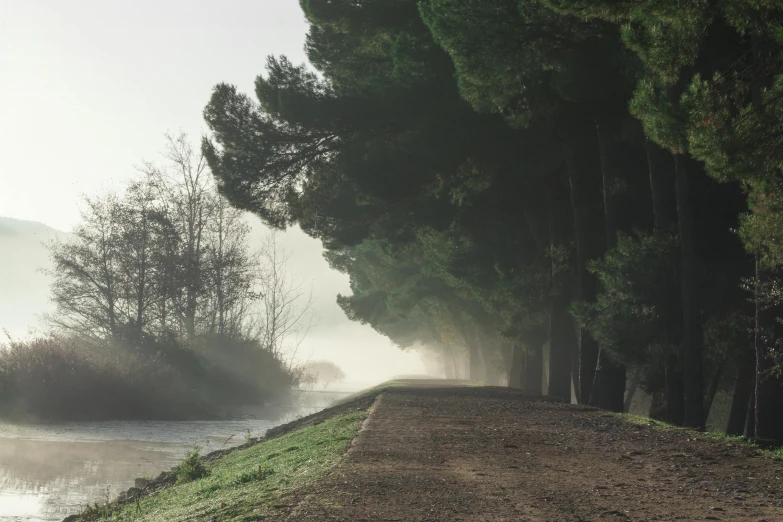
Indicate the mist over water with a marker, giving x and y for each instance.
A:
(48, 472)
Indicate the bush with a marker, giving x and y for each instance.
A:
(241, 371)
(635, 316)
(54, 379)
(67, 378)
(191, 468)
(259, 474)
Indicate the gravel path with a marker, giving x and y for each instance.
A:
(493, 454)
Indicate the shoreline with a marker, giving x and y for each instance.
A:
(360, 401)
(441, 452)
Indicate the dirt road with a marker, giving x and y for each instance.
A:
(490, 454)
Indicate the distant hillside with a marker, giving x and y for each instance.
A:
(24, 290)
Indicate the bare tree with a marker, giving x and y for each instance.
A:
(171, 255)
(86, 287)
(324, 372)
(285, 314)
(185, 186)
(231, 270)
(140, 220)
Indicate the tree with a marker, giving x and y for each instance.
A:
(284, 315)
(166, 256)
(529, 64)
(324, 372)
(487, 171)
(184, 186)
(86, 287)
(734, 127)
(632, 316)
(231, 271)
(667, 40)
(142, 224)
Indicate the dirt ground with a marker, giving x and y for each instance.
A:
(492, 454)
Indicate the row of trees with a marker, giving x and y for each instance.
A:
(591, 188)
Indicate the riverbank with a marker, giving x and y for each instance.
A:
(250, 480)
(471, 453)
(49, 471)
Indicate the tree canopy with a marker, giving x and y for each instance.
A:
(596, 181)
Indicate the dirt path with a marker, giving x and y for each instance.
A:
(492, 455)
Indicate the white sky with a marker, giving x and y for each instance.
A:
(88, 87)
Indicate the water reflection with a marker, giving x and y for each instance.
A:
(48, 472)
(48, 479)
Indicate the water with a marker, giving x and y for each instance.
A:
(49, 472)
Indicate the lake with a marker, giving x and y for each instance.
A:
(48, 472)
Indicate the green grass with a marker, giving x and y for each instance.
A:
(192, 467)
(645, 421)
(732, 439)
(718, 436)
(249, 484)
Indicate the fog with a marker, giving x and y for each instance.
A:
(364, 355)
(88, 89)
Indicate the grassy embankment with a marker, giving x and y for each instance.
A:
(250, 483)
(245, 484)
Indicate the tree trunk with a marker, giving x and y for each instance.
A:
(561, 336)
(584, 179)
(691, 320)
(750, 421)
(712, 390)
(668, 403)
(662, 188)
(657, 408)
(674, 395)
(561, 333)
(768, 419)
(743, 393)
(609, 386)
(636, 379)
(761, 393)
(484, 369)
(515, 375)
(534, 369)
(609, 187)
(448, 369)
(455, 366)
(474, 363)
(610, 376)
(574, 364)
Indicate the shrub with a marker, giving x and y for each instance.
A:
(241, 369)
(57, 379)
(68, 378)
(258, 474)
(634, 315)
(191, 468)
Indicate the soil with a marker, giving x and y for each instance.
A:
(494, 454)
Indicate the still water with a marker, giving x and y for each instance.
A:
(49, 472)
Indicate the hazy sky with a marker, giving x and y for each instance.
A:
(88, 87)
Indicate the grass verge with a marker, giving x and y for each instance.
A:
(247, 484)
(718, 436)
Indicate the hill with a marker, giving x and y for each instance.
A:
(24, 289)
